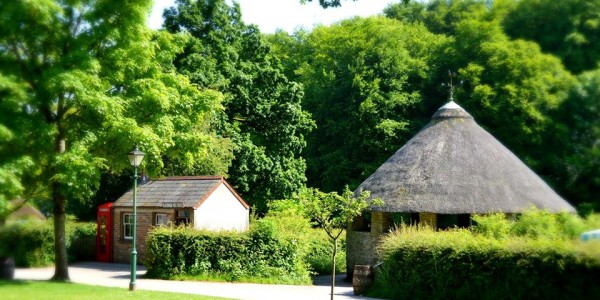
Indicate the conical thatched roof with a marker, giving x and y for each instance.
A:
(453, 166)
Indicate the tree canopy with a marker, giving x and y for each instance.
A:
(263, 116)
(362, 81)
(82, 82)
(371, 83)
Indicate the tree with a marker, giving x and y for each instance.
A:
(513, 89)
(333, 212)
(363, 82)
(263, 115)
(569, 29)
(91, 82)
(577, 131)
(439, 16)
(336, 3)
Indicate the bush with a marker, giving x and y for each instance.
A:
(259, 255)
(421, 263)
(319, 252)
(82, 241)
(31, 242)
(316, 248)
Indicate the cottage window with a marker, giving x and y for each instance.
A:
(128, 226)
(161, 219)
(183, 217)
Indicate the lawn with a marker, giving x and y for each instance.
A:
(56, 290)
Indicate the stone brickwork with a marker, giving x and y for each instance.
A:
(361, 246)
(145, 222)
(360, 250)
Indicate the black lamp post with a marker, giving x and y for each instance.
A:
(135, 158)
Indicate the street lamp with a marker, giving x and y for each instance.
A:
(135, 158)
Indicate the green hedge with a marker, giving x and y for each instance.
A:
(455, 264)
(258, 255)
(31, 242)
(316, 247)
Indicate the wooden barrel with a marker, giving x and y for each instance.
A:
(7, 268)
(362, 279)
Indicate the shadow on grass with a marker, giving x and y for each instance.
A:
(7, 283)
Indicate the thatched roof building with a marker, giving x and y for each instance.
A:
(453, 166)
(450, 170)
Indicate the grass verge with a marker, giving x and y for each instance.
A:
(41, 290)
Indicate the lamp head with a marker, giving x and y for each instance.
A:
(135, 157)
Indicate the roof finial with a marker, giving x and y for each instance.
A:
(450, 85)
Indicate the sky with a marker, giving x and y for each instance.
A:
(288, 15)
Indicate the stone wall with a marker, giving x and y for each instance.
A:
(145, 222)
(361, 246)
(360, 250)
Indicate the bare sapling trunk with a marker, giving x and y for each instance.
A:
(333, 268)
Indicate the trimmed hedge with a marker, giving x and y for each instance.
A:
(31, 242)
(258, 255)
(421, 264)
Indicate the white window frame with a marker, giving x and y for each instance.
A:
(165, 218)
(127, 217)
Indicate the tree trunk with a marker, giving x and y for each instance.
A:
(61, 265)
(333, 268)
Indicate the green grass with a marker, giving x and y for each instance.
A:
(40, 290)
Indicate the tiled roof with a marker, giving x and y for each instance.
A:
(187, 192)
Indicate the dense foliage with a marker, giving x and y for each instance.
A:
(535, 257)
(372, 83)
(290, 220)
(82, 82)
(362, 81)
(568, 29)
(31, 243)
(284, 232)
(263, 116)
(255, 256)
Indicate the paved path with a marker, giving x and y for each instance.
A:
(117, 275)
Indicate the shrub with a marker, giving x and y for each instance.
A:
(82, 241)
(315, 247)
(320, 250)
(493, 225)
(31, 242)
(259, 255)
(421, 263)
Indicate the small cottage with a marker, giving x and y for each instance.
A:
(451, 169)
(202, 202)
(24, 211)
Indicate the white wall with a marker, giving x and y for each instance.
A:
(222, 211)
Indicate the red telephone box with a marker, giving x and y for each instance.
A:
(104, 233)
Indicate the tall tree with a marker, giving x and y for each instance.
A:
(263, 116)
(578, 135)
(93, 81)
(513, 89)
(363, 80)
(569, 29)
(335, 3)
